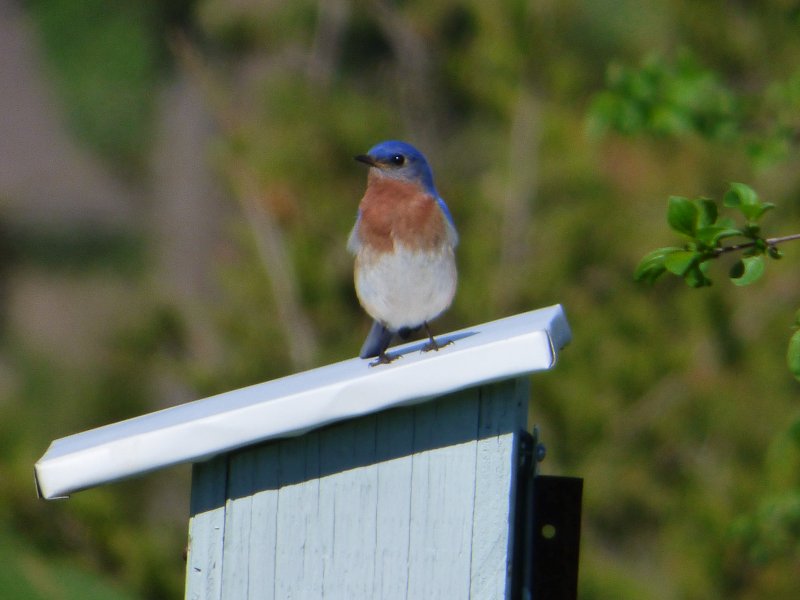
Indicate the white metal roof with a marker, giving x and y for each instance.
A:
(295, 404)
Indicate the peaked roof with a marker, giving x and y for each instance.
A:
(295, 404)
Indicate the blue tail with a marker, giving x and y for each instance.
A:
(377, 341)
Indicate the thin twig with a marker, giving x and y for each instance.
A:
(770, 242)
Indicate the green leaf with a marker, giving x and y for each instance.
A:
(747, 271)
(744, 198)
(740, 195)
(696, 276)
(751, 213)
(652, 266)
(712, 234)
(679, 262)
(707, 212)
(793, 354)
(737, 270)
(682, 215)
(764, 207)
(726, 222)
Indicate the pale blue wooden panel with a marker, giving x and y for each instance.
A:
(503, 408)
(238, 523)
(350, 493)
(394, 453)
(250, 525)
(409, 503)
(263, 523)
(442, 497)
(301, 521)
(206, 530)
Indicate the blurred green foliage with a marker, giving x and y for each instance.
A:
(103, 58)
(679, 97)
(673, 404)
(31, 575)
(667, 98)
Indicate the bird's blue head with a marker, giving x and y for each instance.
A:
(401, 161)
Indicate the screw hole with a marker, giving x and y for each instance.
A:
(548, 531)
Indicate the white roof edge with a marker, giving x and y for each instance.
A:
(292, 405)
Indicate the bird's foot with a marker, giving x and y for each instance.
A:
(434, 345)
(383, 359)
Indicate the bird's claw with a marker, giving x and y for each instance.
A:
(434, 345)
(383, 359)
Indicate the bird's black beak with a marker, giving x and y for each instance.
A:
(366, 159)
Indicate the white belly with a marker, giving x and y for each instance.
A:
(405, 288)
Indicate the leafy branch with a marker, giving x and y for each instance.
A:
(706, 232)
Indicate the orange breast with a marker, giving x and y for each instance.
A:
(396, 211)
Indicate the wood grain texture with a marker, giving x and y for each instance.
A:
(206, 529)
(413, 502)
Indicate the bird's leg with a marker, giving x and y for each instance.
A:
(383, 359)
(432, 344)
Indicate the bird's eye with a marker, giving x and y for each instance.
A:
(398, 160)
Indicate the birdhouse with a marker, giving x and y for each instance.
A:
(407, 480)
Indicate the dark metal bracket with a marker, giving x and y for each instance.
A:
(547, 529)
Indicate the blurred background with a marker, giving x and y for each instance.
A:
(177, 187)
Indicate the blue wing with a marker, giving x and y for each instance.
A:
(445, 210)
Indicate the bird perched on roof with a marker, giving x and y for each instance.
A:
(403, 241)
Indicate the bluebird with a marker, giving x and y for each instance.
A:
(404, 244)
